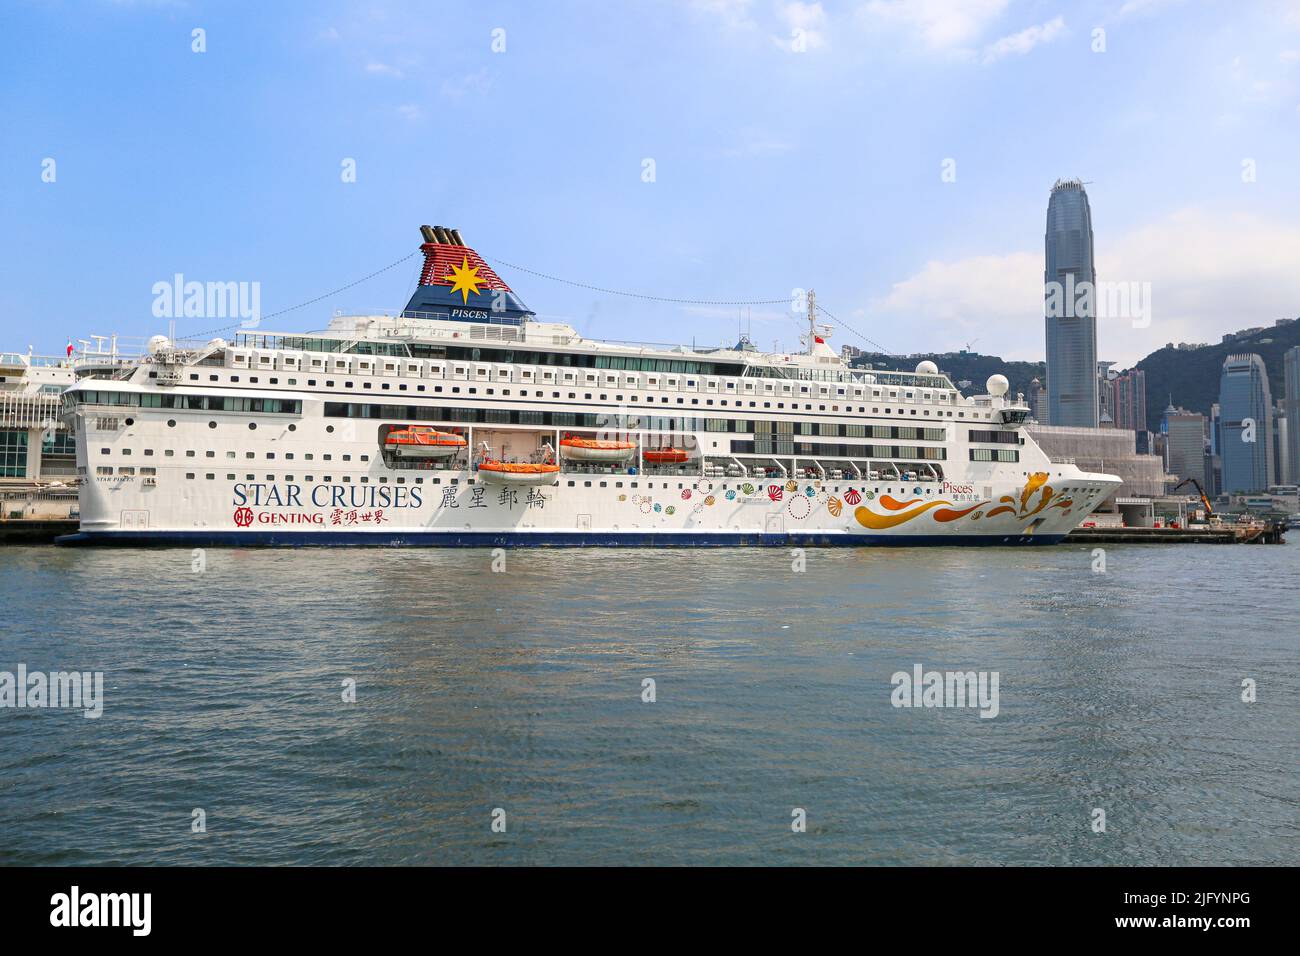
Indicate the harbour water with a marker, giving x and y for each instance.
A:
(523, 690)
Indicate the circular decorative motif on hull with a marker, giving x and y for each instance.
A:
(834, 506)
(747, 488)
(792, 485)
(669, 510)
(731, 496)
(774, 492)
(799, 507)
(852, 496)
(710, 501)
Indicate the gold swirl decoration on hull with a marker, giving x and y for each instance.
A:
(944, 511)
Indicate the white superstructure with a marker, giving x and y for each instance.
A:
(283, 438)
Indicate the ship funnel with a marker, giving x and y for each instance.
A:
(444, 250)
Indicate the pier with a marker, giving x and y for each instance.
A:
(34, 514)
(1261, 533)
(35, 530)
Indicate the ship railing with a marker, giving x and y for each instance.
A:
(1060, 461)
(29, 411)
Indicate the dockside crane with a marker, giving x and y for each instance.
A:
(1209, 512)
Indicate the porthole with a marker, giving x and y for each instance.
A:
(171, 423)
(252, 426)
(212, 424)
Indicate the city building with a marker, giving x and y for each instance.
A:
(1291, 402)
(1071, 319)
(34, 445)
(1106, 376)
(1130, 402)
(1038, 401)
(1246, 425)
(1091, 448)
(1281, 436)
(1185, 444)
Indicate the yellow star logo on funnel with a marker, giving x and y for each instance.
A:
(464, 280)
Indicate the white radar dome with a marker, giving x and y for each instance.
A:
(927, 368)
(998, 385)
(157, 343)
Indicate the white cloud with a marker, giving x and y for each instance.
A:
(411, 111)
(1210, 272)
(808, 19)
(734, 14)
(1024, 41)
(946, 25)
(471, 84)
(1144, 7)
(383, 69)
(995, 297)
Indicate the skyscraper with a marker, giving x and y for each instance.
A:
(1131, 400)
(1071, 319)
(1038, 401)
(1185, 444)
(1291, 403)
(1246, 425)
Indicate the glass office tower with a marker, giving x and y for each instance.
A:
(1071, 321)
(1245, 425)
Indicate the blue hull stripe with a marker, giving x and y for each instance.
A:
(556, 539)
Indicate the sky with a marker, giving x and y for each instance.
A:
(894, 155)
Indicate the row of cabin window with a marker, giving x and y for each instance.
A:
(624, 422)
(718, 372)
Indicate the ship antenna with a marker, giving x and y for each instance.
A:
(812, 320)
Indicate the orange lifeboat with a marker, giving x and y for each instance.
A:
(518, 473)
(422, 441)
(596, 449)
(666, 456)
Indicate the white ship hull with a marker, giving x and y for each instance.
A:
(464, 508)
(279, 439)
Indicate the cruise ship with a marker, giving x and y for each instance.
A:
(465, 420)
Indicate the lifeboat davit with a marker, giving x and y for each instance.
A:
(518, 473)
(666, 456)
(596, 449)
(421, 441)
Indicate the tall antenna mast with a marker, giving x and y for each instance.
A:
(812, 320)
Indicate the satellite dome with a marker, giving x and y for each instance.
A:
(997, 385)
(927, 368)
(157, 343)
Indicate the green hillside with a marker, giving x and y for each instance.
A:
(964, 365)
(1191, 376)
